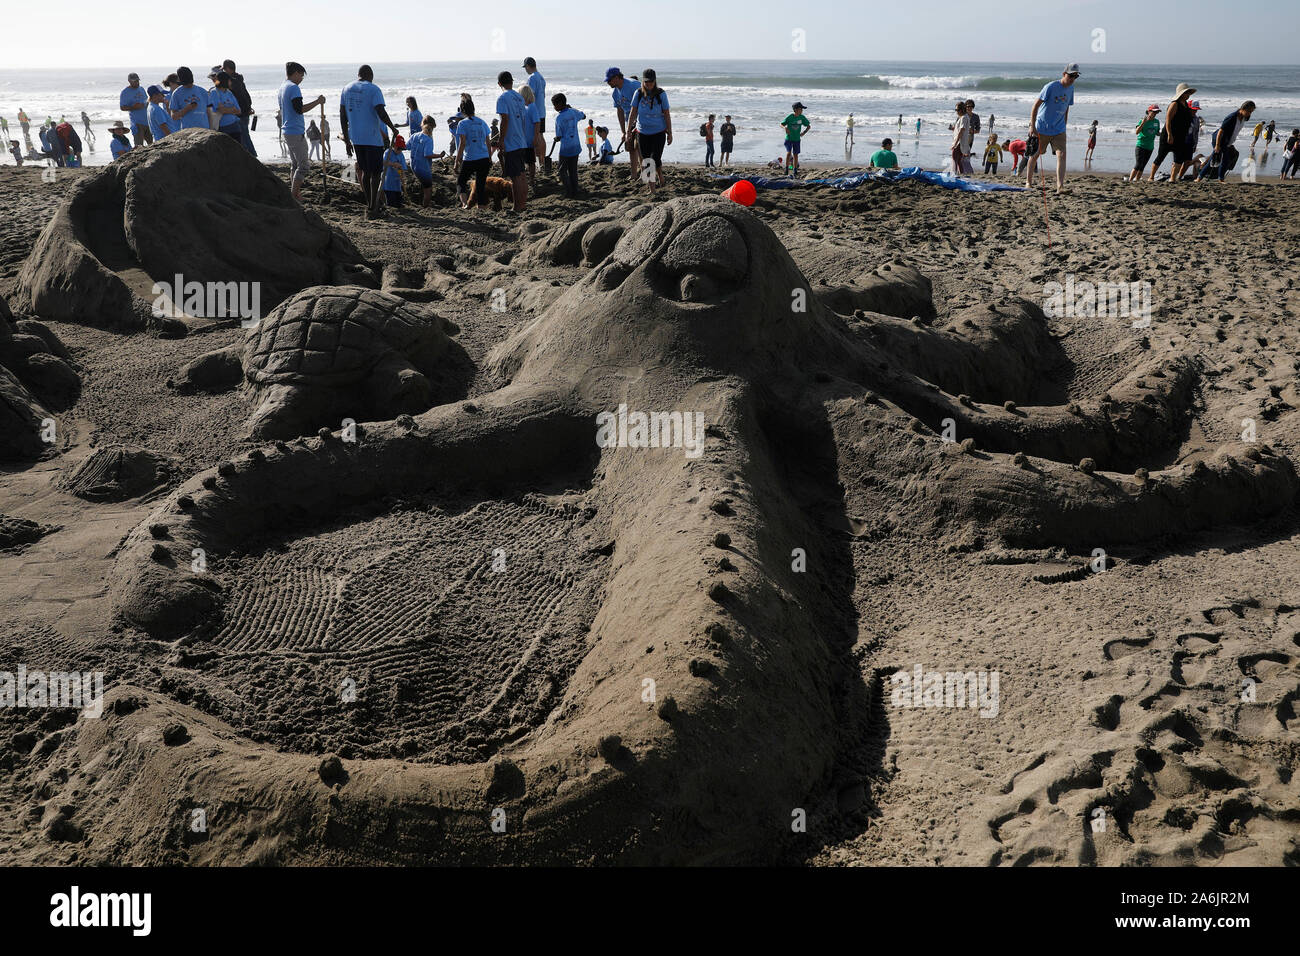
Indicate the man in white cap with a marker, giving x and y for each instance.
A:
(135, 100)
(1048, 119)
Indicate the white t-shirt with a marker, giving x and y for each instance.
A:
(962, 133)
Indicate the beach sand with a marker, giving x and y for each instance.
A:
(1119, 690)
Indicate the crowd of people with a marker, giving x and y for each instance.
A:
(515, 137)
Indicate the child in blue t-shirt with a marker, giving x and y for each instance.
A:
(394, 166)
(606, 151)
(566, 134)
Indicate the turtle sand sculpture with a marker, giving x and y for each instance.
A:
(716, 695)
(194, 205)
(330, 352)
(36, 375)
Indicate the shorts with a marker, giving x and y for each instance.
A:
(726, 145)
(1057, 142)
(394, 196)
(1142, 156)
(531, 159)
(425, 179)
(478, 169)
(369, 158)
(792, 146)
(541, 125)
(652, 146)
(297, 146)
(515, 160)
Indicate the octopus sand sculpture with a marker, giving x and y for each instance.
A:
(106, 254)
(671, 688)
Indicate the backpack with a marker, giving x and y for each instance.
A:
(704, 129)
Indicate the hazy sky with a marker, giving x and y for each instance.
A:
(90, 34)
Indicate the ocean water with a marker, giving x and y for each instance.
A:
(757, 94)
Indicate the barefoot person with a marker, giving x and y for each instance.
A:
(472, 155)
(516, 137)
(363, 117)
(728, 132)
(292, 126)
(624, 89)
(1048, 119)
(653, 123)
(1232, 125)
(134, 101)
(537, 83)
(1147, 130)
(1175, 137)
(795, 125)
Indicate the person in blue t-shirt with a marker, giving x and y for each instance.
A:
(536, 116)
(414, 118)
(293, 128)
(1047, 121)
(422, 156)
(134, 101)
(119, 146)
(606, 151)
(189, 103)
(161, 123)
(537, 83)
(363, 117)
(394, 166)
(566, 134)
(221, 100)
(516, 137)
(473, 156)
(624, 89)
(654, 125)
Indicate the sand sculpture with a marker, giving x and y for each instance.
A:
(672, 688)
(35, 377)
(195, 206)
(335, 351)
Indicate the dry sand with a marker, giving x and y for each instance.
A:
(1120, 690)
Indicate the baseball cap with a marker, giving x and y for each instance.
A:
(133, 76)
(1195, 104)
(156, 90)
(1071, 69)
(529, 61)
(612, 72)
(1153, 106)
(798, 106)
(214, 71)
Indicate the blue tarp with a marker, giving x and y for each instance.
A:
(946, 180)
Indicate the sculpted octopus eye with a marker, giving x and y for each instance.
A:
(711, 246)
(643, 239)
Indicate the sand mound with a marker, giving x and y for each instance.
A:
(34, 377)
(116, 473)
(193, 205)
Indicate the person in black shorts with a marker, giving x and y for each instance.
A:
(472, 139)
(1178, 124)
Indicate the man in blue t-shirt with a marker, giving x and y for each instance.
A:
(1047, 121)
(292, 124)
(624, 89)
(1224, 150)
(363, 117)
(537, 83)
(135, 101)
(161, 123)
(189, 103)
(566, 134)
(516, 137)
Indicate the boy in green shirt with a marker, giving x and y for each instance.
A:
(884, 157)
(796, 124)
(1147, 130)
